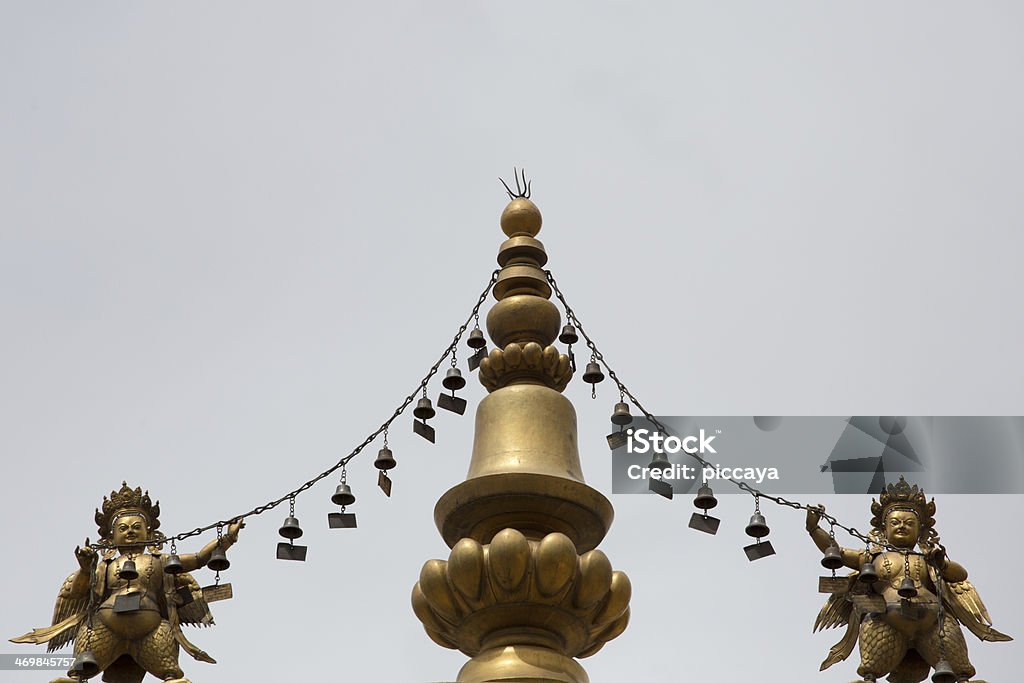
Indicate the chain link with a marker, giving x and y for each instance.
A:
(421, 387)
(598, 357)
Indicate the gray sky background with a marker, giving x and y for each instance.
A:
(235, 236)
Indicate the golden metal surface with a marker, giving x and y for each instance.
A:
(523, 591)
(128, 644)
(901, 637)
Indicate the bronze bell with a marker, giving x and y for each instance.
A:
(290, 529)
(943, 672)
(343, 495)
(660, 462)
(85, 666)
(128, 570)
(907, 588)
(453, 380)
(757, 527)
(424, 409)
(476, 339)
(868, 573)
(218, 560)
(593, 373)
(385, 460)
(173, 564)
(705, 499)
(621, 416)
(568, 335)
(833, 558)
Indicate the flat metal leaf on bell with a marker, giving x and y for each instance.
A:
(474, 360)
(341, 520)
(384, 482)
(424, 430)
(287, 551)
(705, 523)
(660, 487)
(617, 440)
(220, 591)
(832, 584)
(127, 602)
(868, 603)
(453, 403)
(756, 551)
(184, 594)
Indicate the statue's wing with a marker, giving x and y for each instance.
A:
(68, 613)
(187, 609)
(838, 611)
(964, 602)
(195, 612)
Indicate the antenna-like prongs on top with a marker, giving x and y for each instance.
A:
(522, 190)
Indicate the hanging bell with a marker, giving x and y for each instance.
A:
(907, 588)
(385, 461)
(218, 560)
(85, 666)
(290, 529)
(757, 528)
(343, 494)
(568, 335)
(867, 573)
(943, 672)
(173, 565)
(593, 373)
(705, 499)
(621, 416)
(453, 380)
(833, 558)
(128, 570)
(660, 462)
(476, 339)
(424, 409)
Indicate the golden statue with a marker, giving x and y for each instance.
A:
(125, 605)
(905, 606)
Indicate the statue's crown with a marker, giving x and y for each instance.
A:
(902, 496)
(124, 501)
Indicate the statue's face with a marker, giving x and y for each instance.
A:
(902, 528)
(130, 529)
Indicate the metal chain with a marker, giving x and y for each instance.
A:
(597, 356)
(421, 386)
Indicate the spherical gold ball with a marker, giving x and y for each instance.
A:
(521, 217)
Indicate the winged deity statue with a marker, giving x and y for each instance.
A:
(126, 603)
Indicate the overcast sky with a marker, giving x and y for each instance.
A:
(235, 236)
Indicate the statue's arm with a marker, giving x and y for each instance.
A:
(951, 571)
(79, 586)
(192, 561)
(851, 558)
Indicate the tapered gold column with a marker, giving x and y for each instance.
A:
(524, 592)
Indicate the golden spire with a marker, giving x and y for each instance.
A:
(524, 592)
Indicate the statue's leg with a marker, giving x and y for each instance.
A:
(913, 669)
(104, 645)
(158, 653)
(954, 645)
(881, 649)
(124, 670)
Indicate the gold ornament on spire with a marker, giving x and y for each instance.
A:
(524, 591)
